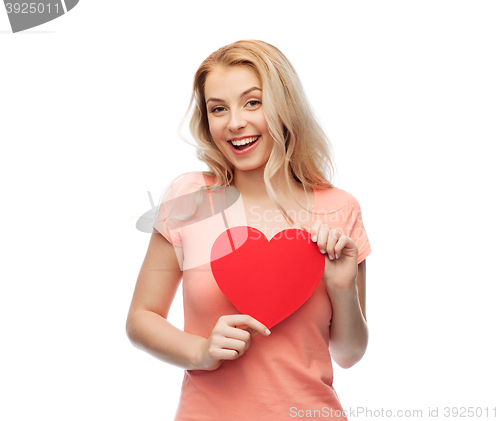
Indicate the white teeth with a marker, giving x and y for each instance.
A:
(244, 141)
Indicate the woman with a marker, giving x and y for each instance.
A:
(256, 132)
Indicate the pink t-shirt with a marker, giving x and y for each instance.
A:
(281, 376)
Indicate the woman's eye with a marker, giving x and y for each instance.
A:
(253, 103)
(217, 110)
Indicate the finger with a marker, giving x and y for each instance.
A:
(306, 228)
(323, 234)
(315, 229)
(251, 331)
(224, 354)
(346, 246)
(333, 237)
(234, 344)
(241, 332)
(246, 320)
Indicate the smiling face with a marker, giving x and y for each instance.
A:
(236, 118)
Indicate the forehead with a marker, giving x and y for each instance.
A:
(230, 81)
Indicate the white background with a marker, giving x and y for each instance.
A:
(89, 109)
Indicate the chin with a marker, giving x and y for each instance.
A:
(250, 166)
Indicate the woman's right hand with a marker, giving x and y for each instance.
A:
(229, 340)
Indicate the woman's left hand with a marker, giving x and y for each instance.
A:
(340, 273)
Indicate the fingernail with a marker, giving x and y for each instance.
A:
(268, 332)
(336, 256)
(330, 256)
(314, 238)
(322, 251)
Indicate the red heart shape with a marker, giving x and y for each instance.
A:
(268, 280)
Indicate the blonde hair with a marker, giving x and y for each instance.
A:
(300, 144)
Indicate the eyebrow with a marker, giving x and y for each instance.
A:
(254, 88)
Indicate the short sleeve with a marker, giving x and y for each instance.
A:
(181, 206)
(356, 230)
(173, 209)
(161, 223)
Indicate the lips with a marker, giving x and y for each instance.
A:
(244, 144)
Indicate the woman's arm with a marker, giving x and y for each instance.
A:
(345, 283)
(348, 329)
(148, 329)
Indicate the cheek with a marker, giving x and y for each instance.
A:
(263, 127)
(216, 126)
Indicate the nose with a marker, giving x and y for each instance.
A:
(236, 122)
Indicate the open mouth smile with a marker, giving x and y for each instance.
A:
(245, 144)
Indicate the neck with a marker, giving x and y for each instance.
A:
(252, 186)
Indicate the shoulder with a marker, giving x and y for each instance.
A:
(193, 180)
(335, 198)
(187, 183)
(338, 207)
